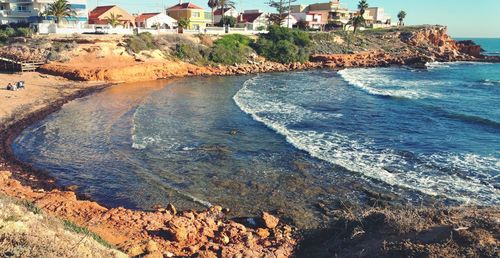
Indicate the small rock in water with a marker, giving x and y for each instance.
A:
(233, 132)
(72, 188)
(269, 220)
(171, 208)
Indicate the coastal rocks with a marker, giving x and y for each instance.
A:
(171, 208)
(23, 53)
(269, 220)
(469, 47)
(164, 233)
(364, 59)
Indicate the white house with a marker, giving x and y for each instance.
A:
(253, 20)
(152, 20)
(378, 15)
(28, 11)
(291, 19)
(219, 13)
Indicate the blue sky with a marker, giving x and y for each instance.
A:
(480, 18)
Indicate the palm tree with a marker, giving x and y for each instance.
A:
(401, 17)
(60, 9)
(114, 20)
(362, 6)
(213, 4)
(223, 4)
(357, 22)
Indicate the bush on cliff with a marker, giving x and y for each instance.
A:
(140, 42)
(190, 52)
(231, 49)
(283, 45)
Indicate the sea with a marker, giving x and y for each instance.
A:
(299, 144)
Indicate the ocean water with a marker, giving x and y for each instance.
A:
(296, 143)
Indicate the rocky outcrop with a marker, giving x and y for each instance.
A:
(153, 70)
(23, 53)
(469, 47)
(163, 233)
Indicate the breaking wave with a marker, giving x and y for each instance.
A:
(376, 81)
(467, 177)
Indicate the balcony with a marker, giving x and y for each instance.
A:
(16, 13)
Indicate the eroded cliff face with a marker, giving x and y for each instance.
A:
(419, 47)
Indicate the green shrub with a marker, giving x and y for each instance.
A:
(30, 206)
(231, 49)
(10, 32)
(3, 36)
(284, 45)
(24, 32)
(70, 226)
(234, 38)
(140, 42)
(190, 52)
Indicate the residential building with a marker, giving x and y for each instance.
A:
(155, 20)
(29, 11)
(102, 14)
(332, 13)
(253, 20)
(219, 13)
(312, 20)
(291, 20)
(197, 16)
(378, 16)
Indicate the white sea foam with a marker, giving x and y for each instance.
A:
(375, 81)
(362, 157)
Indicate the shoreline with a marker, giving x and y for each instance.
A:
(9, 132)
(22, 180)
(23, 173)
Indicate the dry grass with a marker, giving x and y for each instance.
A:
(25, 231)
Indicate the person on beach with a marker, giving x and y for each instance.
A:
(11, 87)
(20, 85)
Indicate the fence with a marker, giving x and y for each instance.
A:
(50, 28)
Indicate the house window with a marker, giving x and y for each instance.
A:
(196, 15)
(22, 8)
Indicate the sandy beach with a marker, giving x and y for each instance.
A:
(40, 90)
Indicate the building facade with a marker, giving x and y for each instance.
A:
(102, 14)
(330, 13)
(253, 20)
(30, 11)
(219, 13)
(155, 20)
(378, 16)
(197, 16)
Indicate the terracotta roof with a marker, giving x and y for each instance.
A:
(248, 17)
(144, 16)
(219, 11)
(188, 5)
(99, 10)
